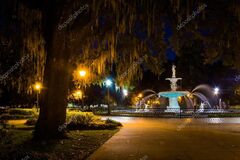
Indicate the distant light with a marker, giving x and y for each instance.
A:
(140, 95)
(108, 82)
(78, 94)
(117, 87)
(82, 73)
(216, 91)
(125, 92)
(38, 86)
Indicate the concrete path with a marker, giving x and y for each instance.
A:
(173, 139)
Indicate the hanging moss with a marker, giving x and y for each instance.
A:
(32, 46)
(121, 47)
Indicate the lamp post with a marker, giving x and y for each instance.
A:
(38, 87)
(125, 92)
(216, 92)
(82, 74)
(108, 83)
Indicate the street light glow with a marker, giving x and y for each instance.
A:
(216, 91)
(108, 82)
(125, 92)
(82, 73)
(38, 86)
(140, 95)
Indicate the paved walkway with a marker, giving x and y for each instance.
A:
(173, 139)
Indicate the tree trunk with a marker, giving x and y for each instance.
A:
(53, 100)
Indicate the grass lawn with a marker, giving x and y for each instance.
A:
(17, 144)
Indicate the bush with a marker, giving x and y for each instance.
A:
(87, 120)
(31, 121)
(18, 114)
(8, 117)
(110, 121)
(21, 112)
(77, 120)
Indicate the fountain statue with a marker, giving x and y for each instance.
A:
(173, 94)
(173, 80)
(173, 71)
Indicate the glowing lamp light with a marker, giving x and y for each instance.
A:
(38, 86)
(125, 92)
(108, 82)
(140, 95)
(216, 91)
(117, 87)
(82, 73)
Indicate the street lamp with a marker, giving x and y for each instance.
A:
(140, 95)
(125, 92)
(108, 83)
(216, 91)
(38, 87)
(82, 73)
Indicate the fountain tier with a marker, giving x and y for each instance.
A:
(173, 99)
(173, 94)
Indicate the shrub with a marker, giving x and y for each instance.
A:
(8, 117)
(87, 120)
(18, 114)
(110, 121)
(78, 120)
(31, 121)
(21, 112)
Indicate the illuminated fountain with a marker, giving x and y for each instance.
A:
(173, 94)
(202, 92)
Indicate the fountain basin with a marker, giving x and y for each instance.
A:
(173, 94)
(173, 99)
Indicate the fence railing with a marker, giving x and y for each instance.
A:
(161, 112)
